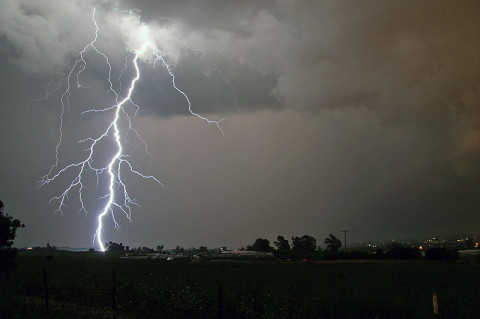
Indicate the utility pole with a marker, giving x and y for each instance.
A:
(345, 242)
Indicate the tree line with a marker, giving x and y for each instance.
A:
(305, 248)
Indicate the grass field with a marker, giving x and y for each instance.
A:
(80, 285)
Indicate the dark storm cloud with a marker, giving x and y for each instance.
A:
(354, 53)
(359, 115)
(411, 63)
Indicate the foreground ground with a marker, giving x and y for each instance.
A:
(82, 285)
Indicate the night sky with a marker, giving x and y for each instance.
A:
(343, 115)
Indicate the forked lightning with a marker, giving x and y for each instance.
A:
(117, 196)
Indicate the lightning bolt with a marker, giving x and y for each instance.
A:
(117, 197)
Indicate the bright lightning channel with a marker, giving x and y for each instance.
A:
(118, 161)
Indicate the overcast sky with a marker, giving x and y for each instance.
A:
(337, 115)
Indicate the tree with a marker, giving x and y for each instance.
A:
(283, 248)
(112, 246)
(160, 248)
(179, 250)
(8, 229)
(282, 244)
(261, 244)
(333, 243)
(304, 245)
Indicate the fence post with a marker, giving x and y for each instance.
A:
(435, 305)
(45, 288)
(220, 301)
(114, 294)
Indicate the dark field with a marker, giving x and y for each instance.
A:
(80, 285)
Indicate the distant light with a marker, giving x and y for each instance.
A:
(30, 248)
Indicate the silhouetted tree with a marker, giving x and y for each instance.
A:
(160, 248)
(147, 250)
(282, 248)
(282, 244)
(304, 245)
(8, 229)
(333, 243)
(112, 246)
(262, 244)
(179, 250)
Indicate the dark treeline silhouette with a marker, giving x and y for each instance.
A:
(305, 248)
(112, 247)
